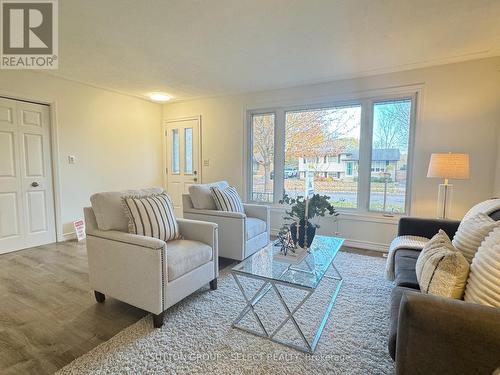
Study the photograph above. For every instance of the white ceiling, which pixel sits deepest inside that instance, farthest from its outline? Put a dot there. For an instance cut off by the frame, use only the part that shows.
(191, 48)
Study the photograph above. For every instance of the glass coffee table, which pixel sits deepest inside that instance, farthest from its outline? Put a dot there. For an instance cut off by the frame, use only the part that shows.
(305, 275)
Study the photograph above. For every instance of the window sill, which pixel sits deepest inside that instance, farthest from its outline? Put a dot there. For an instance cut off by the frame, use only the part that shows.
(348, 214)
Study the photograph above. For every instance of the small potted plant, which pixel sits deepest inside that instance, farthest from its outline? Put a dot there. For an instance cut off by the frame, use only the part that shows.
(317, 205)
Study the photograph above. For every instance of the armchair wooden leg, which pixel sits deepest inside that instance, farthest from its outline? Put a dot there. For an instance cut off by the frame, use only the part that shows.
(213, 284)
(158, 320)
(99, 297)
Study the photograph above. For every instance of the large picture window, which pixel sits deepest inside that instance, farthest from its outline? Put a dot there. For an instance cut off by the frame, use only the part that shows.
(323, 141)
(389, 165)
(358, 153)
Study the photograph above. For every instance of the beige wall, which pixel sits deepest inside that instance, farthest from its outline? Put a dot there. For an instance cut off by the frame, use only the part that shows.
(459, 111)
(116, 138)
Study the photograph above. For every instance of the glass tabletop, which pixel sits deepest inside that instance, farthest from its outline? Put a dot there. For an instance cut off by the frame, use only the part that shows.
(268, 264)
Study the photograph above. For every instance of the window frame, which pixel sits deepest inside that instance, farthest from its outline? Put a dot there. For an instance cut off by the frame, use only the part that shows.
(249, 154)
(411, 143)
(365, 146)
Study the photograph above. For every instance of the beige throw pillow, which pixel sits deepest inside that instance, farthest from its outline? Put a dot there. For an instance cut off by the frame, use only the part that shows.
(444, 273)
(435, 244)
(471, 233)
(483, 286)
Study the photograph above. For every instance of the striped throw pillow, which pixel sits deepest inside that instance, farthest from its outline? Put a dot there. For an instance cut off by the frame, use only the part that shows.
(152, 216)
(227, 199)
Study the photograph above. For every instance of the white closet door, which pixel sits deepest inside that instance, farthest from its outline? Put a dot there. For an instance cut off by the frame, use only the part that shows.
(26, 197)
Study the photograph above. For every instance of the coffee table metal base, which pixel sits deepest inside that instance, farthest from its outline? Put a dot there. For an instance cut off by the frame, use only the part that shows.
(309, 346)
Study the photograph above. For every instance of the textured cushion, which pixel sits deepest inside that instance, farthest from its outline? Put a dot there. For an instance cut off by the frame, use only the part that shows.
(435, 244)
(201, 196)
(227, 199)
(184, 256)
(254, 227)
(108, 208)
(152, 216)
(483, 286)
(444, 273)
(487, 207)
(471, 233)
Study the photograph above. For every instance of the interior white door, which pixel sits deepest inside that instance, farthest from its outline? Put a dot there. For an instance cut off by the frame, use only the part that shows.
(182, 140)
(26, 197)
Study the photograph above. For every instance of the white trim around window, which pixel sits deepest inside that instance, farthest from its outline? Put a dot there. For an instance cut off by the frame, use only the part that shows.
(367, 101)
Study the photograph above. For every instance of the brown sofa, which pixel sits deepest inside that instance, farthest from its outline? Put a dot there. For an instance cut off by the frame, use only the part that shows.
(436, 335)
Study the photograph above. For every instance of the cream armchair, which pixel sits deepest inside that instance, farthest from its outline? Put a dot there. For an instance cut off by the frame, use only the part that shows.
(147, 272)
(240, 235)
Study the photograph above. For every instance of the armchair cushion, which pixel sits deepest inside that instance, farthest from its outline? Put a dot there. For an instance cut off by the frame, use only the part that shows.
(202, 197)
(108, 208)
(254, 227)
(186, 255)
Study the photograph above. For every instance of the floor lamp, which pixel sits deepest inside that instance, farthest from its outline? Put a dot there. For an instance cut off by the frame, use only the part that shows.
(447, 166)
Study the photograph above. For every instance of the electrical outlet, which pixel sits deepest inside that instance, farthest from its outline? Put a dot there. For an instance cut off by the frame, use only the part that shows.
(71, 159)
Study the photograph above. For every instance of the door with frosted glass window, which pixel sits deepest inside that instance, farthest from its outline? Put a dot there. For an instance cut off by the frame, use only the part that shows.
(182, 156)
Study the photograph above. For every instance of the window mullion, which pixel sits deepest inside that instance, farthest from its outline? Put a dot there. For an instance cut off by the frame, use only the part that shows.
(279, 155)
(365, 152)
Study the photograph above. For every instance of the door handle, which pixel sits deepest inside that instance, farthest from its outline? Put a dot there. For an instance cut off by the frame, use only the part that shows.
(34, 184)
(195, 179)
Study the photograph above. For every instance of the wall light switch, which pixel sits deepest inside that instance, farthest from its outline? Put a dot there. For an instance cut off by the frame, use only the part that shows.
(71, 159)
(206, 162)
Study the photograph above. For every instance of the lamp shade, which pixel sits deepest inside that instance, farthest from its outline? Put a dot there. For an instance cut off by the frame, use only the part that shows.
(452, 166)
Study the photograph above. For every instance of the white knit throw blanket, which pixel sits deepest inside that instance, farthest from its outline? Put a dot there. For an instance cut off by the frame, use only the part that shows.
(402, 242)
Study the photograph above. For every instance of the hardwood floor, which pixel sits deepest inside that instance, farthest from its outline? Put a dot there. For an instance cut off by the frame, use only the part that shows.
(48, 315)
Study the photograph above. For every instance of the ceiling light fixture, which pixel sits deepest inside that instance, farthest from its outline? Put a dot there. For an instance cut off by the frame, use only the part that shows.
(159, 97)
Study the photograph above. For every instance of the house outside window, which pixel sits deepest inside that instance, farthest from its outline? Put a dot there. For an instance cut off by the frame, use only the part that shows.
(348, 169)
(360, 161)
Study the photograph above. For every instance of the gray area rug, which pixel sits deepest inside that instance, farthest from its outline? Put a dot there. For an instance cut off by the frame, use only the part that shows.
(197, 337)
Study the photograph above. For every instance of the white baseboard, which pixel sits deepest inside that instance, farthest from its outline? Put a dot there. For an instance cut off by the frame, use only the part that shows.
(367, 245)
(358, 244)
(69, 236)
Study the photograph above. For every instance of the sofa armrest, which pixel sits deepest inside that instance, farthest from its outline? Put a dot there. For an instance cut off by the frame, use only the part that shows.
(235, 215)
(128, 238)
(426, 227)
(444, 336)
(258, 211)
